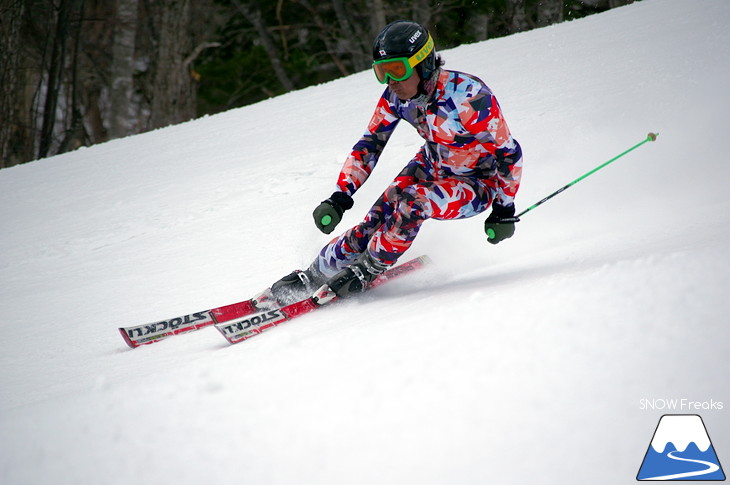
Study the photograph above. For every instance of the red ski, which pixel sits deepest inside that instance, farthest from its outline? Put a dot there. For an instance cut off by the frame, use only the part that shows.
(160, 330)
(237, 330)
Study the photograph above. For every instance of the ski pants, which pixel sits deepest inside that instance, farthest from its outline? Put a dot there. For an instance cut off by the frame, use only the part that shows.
(393, 222)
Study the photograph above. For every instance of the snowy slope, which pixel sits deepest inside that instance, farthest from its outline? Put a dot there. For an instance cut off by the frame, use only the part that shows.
(524, 362)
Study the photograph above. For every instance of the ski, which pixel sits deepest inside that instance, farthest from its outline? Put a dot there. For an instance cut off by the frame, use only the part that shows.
(247, 326)
(149, 333)
(262, 309)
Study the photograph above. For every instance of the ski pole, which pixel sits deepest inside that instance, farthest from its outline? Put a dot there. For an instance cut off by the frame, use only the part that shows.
(650, 137)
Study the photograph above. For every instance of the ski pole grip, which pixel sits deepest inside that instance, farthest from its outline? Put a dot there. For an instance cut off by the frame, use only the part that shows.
(489, 229)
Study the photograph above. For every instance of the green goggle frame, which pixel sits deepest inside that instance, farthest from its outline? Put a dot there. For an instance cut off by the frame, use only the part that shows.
(401, 68)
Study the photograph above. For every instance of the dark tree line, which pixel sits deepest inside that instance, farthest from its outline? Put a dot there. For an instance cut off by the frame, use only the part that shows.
(78, 72)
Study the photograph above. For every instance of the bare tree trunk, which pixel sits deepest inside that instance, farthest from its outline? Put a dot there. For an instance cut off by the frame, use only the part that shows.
(324, 34)
(95, 65)
(356, 40)
(10, 80)
(377, 19)
(75, 134)
(549, 12)
(122, 68)
(422, 12)
(518, 17)
(173, 91)
(478, 26)
(55, 76)
(254, 17)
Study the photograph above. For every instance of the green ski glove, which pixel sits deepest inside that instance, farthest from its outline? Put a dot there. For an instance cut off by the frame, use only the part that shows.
(329, 213)
(500, 224)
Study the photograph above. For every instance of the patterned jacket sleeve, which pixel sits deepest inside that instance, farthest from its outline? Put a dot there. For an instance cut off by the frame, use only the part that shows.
(365, 153)
(482, 116)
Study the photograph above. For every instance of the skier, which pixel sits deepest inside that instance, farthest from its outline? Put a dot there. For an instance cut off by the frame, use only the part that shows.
(468, 162)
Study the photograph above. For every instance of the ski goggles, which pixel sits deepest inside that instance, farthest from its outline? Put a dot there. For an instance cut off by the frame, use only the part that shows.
(401, 68)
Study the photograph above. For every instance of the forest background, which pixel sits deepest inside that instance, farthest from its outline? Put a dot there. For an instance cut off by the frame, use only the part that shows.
(79, 72)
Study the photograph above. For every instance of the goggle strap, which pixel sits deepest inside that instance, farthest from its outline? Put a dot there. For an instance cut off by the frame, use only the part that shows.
(422, 52)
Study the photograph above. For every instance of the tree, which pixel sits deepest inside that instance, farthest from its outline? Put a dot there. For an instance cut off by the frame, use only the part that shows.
(14, 133)
(79, 72)
(122, 69)
(518, 16)
(252, 13)
(549, 12)
(172, 91)
(54, 73)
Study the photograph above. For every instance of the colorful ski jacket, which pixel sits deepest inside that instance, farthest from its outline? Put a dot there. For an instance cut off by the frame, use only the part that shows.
(465, 132)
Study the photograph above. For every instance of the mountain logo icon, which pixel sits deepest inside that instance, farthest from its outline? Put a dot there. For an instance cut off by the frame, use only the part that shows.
(681, 450)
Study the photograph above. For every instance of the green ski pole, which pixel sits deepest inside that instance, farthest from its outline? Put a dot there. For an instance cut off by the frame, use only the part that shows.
(649, 137)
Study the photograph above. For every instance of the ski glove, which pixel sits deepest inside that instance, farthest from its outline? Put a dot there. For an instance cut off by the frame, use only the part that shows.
(500, 224)
(329, 213)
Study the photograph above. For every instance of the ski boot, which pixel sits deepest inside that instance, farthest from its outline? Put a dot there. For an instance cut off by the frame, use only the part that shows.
(356, 277)
(297, 286)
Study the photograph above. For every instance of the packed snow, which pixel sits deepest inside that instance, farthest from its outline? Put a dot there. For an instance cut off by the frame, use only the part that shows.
(528, 362)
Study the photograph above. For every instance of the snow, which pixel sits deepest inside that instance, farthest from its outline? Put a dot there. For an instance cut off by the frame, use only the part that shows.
(524, 362)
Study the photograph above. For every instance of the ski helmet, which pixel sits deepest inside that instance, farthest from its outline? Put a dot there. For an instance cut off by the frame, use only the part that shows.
(407, 42)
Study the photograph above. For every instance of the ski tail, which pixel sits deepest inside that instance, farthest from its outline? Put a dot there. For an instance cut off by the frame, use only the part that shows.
(149, 333)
